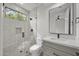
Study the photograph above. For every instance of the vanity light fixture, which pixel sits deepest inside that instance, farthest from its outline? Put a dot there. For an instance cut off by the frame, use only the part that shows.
(58, 18)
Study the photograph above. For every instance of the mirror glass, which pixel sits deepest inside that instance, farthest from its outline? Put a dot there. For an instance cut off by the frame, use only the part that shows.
(60, 19)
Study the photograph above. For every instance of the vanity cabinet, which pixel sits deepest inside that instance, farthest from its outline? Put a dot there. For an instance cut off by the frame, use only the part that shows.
(56, 49)
(49, 51)
(53, 49)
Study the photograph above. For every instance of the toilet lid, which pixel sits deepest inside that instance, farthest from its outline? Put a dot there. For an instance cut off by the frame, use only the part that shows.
(35, 47)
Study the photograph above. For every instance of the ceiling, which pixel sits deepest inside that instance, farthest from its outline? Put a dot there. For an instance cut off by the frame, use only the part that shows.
(30, 6)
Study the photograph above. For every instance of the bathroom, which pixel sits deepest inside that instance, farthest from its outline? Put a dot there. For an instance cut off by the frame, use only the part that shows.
(39, 29)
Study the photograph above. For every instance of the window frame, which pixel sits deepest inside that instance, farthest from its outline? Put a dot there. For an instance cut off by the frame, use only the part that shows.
(14, 11)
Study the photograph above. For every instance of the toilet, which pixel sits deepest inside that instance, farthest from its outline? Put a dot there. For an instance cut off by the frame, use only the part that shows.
(35, 50)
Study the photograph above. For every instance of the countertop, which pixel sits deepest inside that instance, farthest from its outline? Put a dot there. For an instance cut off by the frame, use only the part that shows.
(69, 43)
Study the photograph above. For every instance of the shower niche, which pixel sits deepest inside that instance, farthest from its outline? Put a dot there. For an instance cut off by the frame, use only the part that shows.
(60, 19)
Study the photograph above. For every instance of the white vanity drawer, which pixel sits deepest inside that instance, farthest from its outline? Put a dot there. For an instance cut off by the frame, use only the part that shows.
(59, 53)
(62, 48)
(48, 51)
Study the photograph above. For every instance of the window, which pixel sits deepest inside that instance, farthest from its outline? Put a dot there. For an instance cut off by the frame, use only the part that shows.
(14, 15)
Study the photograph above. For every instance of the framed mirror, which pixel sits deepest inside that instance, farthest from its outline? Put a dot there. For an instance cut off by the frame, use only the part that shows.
(60, 19)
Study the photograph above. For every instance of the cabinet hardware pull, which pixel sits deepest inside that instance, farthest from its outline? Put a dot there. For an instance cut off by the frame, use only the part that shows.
(77, 53)
(21, 51)
(55, 54)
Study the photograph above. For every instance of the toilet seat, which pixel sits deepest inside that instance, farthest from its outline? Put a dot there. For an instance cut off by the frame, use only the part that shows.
(35, 47)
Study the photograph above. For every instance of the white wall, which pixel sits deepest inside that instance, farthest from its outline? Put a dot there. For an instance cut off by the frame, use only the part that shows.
(33, 22)
(77, 10)
(1, 33)
(43, 22)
